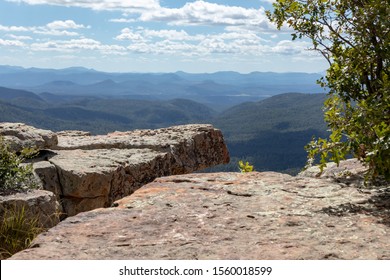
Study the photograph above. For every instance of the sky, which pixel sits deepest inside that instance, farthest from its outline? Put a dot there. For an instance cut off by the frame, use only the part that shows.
(196, 36)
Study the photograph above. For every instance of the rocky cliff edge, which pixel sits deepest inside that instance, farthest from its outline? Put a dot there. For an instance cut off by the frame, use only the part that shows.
(86, 172)
(232, 216)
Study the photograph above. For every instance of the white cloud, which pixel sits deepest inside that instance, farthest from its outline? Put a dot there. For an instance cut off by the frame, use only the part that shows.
(60, 28)
(205, 13)
(235, 33)
(11, 43)
(20, 38)
(97, 4)
(67, 24)
(55, 28)
(198, 12)
(77, 45)
(129, 34)
(55, 32)
(14, 28)
(145, 35)
(122, 20)
(286, 47)
(167, 41)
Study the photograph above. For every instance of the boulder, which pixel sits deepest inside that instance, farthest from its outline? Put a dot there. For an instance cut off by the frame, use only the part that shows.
(19, 136)
(87, 172)
(228, 216)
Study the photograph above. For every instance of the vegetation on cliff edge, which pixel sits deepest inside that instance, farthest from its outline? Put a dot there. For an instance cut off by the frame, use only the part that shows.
(354, 38)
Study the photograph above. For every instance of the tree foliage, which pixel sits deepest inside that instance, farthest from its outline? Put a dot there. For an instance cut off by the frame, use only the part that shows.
(353, 36)
(14, 176)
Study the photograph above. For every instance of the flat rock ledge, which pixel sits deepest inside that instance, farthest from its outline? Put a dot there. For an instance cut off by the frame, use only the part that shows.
(87, 172)
(228, 216)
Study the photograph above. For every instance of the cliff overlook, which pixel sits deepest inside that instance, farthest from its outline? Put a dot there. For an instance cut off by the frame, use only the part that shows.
(255, 215)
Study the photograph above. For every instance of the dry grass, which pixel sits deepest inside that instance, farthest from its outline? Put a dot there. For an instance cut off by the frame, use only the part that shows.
(17, 231)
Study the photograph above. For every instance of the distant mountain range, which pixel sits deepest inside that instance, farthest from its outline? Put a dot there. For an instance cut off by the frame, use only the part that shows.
(261, 123)
(219, 90)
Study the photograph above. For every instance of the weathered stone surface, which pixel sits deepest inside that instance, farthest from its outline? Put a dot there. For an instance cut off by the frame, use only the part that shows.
(19, 136)
(349, 172)
(193, 146)
(228, 216)
(73, 133)
(346, 168)
(92, 179)
(37, 204)
(87, 172)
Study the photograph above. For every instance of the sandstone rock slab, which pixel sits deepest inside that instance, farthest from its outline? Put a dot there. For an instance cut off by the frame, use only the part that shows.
(87, 172)
(228, 216)
(19, 136)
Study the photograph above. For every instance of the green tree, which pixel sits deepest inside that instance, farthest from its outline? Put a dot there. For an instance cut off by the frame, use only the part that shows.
(353, 36)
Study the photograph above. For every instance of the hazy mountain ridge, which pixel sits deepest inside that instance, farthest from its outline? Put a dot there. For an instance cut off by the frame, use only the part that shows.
(98, 115)
(266, 128)
(219, 90)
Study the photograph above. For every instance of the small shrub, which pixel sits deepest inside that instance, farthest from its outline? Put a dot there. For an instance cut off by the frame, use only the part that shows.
(17, 231)
(15, 176)
(245, 168)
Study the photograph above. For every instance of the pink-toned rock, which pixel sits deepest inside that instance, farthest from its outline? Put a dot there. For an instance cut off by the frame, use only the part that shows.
(228, 216)
(87, 172)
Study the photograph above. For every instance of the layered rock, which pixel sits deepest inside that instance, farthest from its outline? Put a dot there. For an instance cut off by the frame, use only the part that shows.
(228, 216)
(87, 172)
(19, 136)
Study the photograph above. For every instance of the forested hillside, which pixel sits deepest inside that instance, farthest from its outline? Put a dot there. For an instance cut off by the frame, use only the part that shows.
(270, 134)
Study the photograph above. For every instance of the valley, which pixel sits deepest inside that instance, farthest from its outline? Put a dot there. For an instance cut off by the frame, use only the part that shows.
(261, 123)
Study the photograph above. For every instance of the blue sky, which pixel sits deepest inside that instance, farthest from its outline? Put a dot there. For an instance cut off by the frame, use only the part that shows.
(150, 36)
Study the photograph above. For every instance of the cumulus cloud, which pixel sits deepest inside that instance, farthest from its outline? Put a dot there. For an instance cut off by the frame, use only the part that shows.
(60, 28)
(11, 43)
(145, 35)
(77, 45)
(198, 12)
(286, 47)
(240, 32)
(180, 42)
(67, 24)
(129, 34)
(122, 20)
(55, 32)
(20, 38)
(55, 28)
(97, 4)
(14, 28)
(205, 13)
